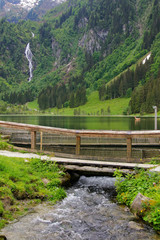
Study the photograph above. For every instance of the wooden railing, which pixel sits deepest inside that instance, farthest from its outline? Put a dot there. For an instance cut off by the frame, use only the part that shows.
(128, 135)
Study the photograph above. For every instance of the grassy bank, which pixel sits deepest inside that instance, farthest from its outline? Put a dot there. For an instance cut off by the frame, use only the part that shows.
(148, 184)
(26, 182)
(93, 107)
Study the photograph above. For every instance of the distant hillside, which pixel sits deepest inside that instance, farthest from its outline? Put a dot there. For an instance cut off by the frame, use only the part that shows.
(78, 47)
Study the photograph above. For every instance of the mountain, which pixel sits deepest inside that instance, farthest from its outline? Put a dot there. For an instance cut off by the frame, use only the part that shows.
(26, 9)
(81, 46)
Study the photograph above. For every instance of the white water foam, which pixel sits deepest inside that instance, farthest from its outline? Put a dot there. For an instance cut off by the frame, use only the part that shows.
(38, 219)
(29, 56)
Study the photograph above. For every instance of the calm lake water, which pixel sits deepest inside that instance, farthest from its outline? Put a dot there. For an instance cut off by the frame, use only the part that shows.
(98, 123)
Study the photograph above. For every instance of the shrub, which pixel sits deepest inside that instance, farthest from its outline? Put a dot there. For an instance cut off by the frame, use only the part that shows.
(1, 209)
(148, 184)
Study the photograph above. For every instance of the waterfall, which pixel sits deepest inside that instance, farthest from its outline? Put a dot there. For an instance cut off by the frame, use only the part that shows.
(29, 58)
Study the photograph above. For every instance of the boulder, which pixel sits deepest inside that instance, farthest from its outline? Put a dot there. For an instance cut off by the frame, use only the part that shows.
(138, 203)
(135, 226)
(65, 180)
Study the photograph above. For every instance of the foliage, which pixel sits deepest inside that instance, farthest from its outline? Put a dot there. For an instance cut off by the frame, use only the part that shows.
(79, 98)
(23, 180)
(53, 97)
(125, 83)
(5, 146)
(81, 44)
(33, 105)
(155, 160)
(12, 48)
(146, 95)
(154, 25)
(93, 107)
(119, 60)
(148, 184)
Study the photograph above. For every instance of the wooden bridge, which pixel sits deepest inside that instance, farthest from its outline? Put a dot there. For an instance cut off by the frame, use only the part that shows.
(78, 134)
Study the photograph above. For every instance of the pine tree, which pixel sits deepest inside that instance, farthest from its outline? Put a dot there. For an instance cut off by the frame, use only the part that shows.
(102, 92)
(72, 101)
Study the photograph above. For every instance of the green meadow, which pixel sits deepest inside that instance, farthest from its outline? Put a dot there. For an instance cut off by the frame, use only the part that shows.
(93, 107)
(26, 182)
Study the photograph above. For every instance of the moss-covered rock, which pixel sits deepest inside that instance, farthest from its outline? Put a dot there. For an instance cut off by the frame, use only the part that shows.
(1, 208)
(65, 180)
(138, 203)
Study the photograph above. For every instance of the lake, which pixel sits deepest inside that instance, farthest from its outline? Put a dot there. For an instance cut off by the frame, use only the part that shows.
(85, 122)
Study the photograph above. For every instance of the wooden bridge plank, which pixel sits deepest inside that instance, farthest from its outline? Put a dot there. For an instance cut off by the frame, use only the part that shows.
(101, 163)
(95, 170)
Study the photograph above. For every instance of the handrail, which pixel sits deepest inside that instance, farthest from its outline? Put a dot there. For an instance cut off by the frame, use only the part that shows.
(80, 133)
(96, 133)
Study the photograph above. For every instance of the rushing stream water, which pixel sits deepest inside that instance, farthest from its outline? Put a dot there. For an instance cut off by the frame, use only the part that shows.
(86, 213)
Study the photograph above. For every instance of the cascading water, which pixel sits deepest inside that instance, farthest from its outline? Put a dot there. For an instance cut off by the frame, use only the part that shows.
(29, 56)
(87, 213)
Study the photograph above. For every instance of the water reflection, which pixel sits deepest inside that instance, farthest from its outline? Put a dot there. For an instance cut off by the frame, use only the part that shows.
(99, 123)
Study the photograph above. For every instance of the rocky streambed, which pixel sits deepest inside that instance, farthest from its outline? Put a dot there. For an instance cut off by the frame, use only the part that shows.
(87, 213)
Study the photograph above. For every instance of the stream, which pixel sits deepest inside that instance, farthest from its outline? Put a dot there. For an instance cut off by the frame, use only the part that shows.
(87, 213)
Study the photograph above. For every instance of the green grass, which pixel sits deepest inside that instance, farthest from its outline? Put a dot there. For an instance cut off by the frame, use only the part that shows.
(93, 107)
(148, 184)
(22, 185)
(33, 105)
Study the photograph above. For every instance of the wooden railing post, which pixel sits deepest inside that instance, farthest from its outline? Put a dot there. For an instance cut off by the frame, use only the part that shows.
(78, 144)
(33, 139)
(129, 148)
(41, 140)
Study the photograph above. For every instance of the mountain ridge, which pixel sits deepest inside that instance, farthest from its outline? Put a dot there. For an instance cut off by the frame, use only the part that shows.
(77, 45)
(26, 9)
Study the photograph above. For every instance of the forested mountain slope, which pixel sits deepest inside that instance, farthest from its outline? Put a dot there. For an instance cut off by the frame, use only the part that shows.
(78, 47)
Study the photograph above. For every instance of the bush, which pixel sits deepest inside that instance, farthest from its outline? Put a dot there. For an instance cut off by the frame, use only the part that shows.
(1, 209)
(148, 184)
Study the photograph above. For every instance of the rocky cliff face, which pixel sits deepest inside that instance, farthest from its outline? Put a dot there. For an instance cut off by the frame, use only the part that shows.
(92, 40)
